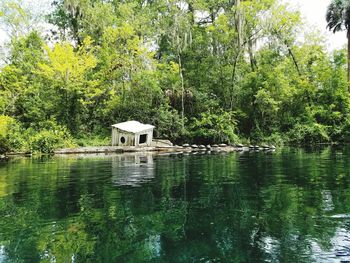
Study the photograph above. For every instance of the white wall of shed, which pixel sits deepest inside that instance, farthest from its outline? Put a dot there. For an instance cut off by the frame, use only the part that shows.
(149, 134)
(131, 139)
(117, 135)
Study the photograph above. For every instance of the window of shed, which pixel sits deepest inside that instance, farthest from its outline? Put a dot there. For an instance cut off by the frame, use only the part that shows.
(122, 140)
(143, 138)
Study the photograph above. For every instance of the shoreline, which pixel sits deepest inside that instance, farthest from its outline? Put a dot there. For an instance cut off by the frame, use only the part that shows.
(155, 149)
(160, 149)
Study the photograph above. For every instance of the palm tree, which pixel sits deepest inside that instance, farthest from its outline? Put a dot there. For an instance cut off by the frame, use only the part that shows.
(338, 18)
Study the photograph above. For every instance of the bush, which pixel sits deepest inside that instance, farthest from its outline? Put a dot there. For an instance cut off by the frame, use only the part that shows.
(274, 139)
(47, 140)
(11, 135)
(168, 124)
(93, 140)
(308, 133)
(5, 123)
(342, 132)
(214, 128)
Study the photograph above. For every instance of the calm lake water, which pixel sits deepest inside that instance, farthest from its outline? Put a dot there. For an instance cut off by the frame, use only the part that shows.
(287, 206)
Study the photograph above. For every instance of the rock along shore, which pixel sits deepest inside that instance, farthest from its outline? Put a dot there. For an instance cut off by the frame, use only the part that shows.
(185, 148)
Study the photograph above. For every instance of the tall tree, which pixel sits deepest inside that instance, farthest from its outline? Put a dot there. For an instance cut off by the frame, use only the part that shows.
(338, 18)
(15, 19)
(180, 37)
(66, 71)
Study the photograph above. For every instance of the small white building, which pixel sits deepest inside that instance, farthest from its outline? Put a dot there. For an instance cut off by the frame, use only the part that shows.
(132, 133)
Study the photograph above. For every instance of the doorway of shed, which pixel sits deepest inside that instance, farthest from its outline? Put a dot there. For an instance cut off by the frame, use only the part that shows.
(143, 138)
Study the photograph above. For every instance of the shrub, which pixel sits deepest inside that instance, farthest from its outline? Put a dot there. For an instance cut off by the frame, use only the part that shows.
(274, 139)
(5, 123)
(168, 123)
(47, 140)
(214, 128)
(11, 135)
(93, 140)
(308, 133)
(342, 132)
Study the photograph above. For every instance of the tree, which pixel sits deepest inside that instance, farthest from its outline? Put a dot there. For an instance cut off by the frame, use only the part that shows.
(18, 17)
(338, 18)
(18, 78)
(67, 72)
(174, 63)
(15, 19)
(180, 37)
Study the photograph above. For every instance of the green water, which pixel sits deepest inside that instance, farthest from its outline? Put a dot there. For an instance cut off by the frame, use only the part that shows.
(287, 206)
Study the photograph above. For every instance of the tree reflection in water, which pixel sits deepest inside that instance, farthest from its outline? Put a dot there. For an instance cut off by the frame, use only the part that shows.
(286, 206)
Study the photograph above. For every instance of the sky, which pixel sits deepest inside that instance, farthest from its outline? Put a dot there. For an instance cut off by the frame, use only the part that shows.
(313, 11)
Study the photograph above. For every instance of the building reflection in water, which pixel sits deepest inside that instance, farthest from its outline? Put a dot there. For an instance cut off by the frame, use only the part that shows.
(132, 169)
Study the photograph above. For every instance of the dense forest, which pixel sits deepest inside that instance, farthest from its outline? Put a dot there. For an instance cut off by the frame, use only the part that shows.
(201, 71)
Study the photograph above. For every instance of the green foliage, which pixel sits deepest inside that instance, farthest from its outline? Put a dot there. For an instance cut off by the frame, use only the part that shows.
(51, 137)
(47, 141)
(5, 129)
(43, 137)
(168, 123)
(66, 72)
(93, 140)
(342, 132)
(158, 63)
(214, 128)
(12, 137)
(16, 16)
(275, 139)
(309, 133)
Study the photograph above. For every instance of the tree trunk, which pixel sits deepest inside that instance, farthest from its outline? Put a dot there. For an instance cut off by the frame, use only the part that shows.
(233, 78)
(182, 92)
(348, 36)
(293, 58)
(191, 11)
(239, 22)
(253, 63)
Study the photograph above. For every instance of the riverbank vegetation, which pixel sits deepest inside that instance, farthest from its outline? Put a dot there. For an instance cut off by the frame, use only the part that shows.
(200, 71)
